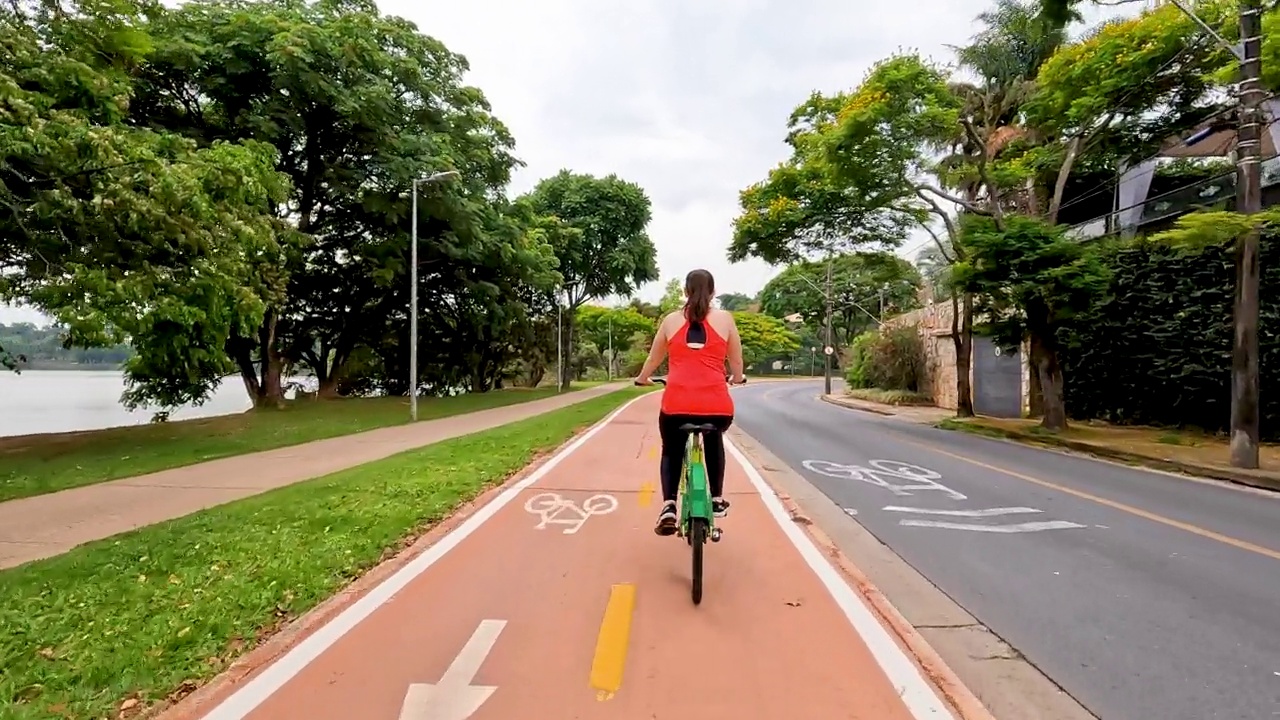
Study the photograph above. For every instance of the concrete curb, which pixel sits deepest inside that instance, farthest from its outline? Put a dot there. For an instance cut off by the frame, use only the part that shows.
(1251, 478)
(865, 408)
(954, 691)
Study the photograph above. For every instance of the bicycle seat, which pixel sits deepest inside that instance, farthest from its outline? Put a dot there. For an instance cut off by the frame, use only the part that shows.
(703, 428)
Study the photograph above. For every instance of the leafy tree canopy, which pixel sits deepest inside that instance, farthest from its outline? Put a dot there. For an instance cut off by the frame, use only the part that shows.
(598, 324)
(735, 301)
(607, 252)
(764, 337)
(119, 232)
(860, 283)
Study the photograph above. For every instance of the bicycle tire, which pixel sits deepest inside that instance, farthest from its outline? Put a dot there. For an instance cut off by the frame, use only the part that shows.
(698, 541)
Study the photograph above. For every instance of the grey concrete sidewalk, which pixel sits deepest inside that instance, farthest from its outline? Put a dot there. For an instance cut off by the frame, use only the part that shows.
(47, 525)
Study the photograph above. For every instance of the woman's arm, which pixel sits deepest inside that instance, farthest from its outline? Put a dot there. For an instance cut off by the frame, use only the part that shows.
(736, 367)
(657, 352)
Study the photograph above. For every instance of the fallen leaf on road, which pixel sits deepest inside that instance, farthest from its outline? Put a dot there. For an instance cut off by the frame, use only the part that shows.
(793, 603)
(129, 708)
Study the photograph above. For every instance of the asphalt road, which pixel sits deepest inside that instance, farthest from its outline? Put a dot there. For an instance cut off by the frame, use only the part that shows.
(1141, 594)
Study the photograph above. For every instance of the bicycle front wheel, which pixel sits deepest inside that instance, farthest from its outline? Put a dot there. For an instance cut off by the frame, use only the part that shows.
(698, 542)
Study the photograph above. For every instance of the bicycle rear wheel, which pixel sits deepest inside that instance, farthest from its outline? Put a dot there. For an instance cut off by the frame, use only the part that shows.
(698, 541)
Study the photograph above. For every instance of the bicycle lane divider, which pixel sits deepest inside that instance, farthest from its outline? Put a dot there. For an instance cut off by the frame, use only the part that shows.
(559, 590)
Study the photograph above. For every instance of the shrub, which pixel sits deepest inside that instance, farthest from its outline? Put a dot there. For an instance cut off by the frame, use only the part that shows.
(856, 375)
(890, 359)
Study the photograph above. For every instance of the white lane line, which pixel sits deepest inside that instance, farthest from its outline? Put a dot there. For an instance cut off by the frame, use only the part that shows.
(1016, 528)
(989, 512)
(916, 692)
(255, 692)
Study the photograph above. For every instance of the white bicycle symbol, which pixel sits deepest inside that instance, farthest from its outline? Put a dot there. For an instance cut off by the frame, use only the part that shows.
(883, 473)
(552, 508)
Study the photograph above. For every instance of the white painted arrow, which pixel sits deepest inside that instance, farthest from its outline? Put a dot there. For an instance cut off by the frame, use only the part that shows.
(454, 697)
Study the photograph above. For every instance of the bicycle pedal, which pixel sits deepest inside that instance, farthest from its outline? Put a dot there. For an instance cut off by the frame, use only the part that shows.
(715, 535)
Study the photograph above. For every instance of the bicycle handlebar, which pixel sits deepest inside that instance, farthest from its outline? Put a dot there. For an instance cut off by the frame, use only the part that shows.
(663, 381)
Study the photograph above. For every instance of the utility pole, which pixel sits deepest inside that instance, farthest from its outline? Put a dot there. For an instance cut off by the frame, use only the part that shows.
(559, 346)
(610, 374)
(1244, 355)
(413, 290)
(1244, 358)
(828, 350)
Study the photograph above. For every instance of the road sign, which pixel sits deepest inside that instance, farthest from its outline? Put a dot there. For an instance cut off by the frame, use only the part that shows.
(454, 697)
(828, 350)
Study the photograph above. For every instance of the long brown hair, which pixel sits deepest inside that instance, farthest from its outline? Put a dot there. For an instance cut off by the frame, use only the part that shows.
(700, 287)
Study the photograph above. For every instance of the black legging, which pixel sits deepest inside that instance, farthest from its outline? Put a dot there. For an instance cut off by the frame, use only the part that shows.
(673, 443)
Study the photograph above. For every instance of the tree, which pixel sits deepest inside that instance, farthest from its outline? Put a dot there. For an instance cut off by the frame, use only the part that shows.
(647, 309)
(764, 337)
(606, 251)
(735, 301)
(120, 232)
(865, 287)
(934, 265)
(612, 327)
(884, 136)
(803, 208)
(1113, 97)
(357, 105)
(672, 297)
(1028, 279)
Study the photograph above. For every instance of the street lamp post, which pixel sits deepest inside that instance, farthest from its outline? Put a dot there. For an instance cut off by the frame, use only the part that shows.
(559, 346)
(413, 291)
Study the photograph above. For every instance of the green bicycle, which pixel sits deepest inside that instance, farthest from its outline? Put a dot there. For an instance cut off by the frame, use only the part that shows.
(697, 521)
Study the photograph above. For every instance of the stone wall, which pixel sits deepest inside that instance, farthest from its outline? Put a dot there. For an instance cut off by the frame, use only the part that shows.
(934, 324)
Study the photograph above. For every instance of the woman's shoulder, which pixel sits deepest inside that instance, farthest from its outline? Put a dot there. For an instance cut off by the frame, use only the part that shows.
(723, 316)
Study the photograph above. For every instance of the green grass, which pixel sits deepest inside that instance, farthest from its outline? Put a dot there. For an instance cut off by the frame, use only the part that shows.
(891, 397)
(39, 464)
(158, 611)
(969, 427)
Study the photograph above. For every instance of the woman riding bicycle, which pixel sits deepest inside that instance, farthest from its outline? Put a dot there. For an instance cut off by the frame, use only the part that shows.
(697, 340)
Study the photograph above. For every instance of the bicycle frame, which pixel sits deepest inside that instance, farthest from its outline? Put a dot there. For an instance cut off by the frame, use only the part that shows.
(695, 493)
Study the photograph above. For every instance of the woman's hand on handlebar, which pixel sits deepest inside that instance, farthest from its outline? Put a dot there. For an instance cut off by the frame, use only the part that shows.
(643, 381)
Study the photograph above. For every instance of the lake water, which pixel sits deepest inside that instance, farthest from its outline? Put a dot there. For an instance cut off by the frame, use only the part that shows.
(49, 401)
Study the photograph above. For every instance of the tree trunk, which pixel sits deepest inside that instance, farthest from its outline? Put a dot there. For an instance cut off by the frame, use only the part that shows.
(566, 348)
(1045, 355)
(327, 388)
(270, 365)
(962, 336)
(1035, 388)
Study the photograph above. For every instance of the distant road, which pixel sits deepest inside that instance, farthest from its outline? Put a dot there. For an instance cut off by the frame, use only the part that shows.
(1141, 594)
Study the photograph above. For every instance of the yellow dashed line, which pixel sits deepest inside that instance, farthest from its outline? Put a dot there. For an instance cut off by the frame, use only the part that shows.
(611, 644)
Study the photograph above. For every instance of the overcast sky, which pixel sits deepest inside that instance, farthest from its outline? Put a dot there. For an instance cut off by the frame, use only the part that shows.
(688, 98)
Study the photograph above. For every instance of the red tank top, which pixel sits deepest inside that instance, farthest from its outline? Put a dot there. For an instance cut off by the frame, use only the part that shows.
(695, 375)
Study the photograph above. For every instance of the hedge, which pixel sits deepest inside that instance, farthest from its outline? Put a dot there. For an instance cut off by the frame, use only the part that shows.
(1157, 351)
